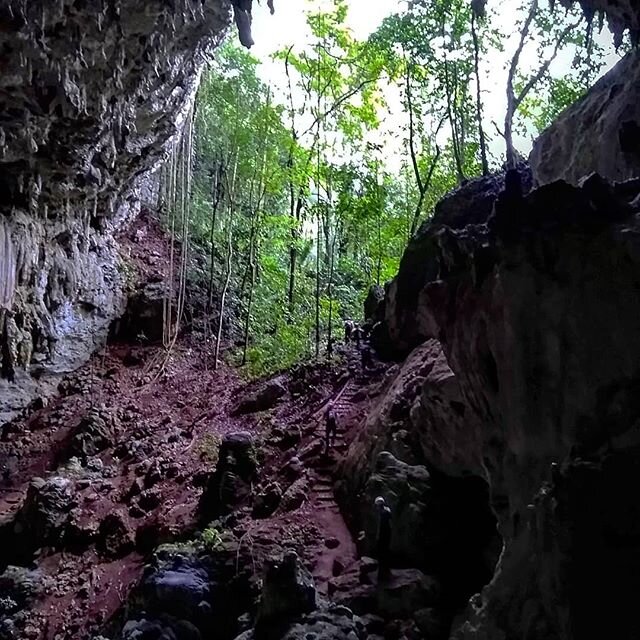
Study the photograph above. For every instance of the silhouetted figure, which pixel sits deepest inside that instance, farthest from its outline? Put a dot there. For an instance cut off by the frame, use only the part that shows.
(383, 538)
(348, 330)
(356, 334)
(366, 358)
(330, 428)
(331, 345)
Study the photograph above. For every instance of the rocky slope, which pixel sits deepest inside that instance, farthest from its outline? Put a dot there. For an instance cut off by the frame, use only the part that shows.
(90, 96)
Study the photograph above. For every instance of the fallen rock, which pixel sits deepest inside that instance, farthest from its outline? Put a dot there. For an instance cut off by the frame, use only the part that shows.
(43, 518)
(335, 623)
(295, 496)
(115, 537)
(264, 398)
(21, 586)
(267, 501)
(292, 469)
(431, 623)
(95, 433)
(163, 628)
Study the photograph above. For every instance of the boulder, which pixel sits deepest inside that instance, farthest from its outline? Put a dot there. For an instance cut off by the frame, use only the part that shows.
(267, 501)
(350, 590)
(45, 513)
(163, 628)
(266, 397)
(21, 586)
(179, 585)
(115, 537)
(406, 591)
(431, 623)
(600, 133)
(407, 491)
(295, 496)
(288, 590)
(335, 623)
(230, 484)
(95, 433)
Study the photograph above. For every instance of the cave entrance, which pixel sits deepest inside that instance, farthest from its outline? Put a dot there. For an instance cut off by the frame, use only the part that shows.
(468, 544)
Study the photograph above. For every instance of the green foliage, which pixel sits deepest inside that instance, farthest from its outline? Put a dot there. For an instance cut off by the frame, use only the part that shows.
(294, 191)
(211, 539)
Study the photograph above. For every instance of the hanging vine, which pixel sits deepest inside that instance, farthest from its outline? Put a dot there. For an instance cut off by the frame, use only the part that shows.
(175, 196)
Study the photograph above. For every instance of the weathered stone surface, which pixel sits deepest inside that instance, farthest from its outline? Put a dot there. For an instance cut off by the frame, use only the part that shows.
(599, 133)
(164, 628)
(295, 496)
(267, 501)
(406, 489)
(143, 318)
(622, 15)
(472, 203)
(93, 97)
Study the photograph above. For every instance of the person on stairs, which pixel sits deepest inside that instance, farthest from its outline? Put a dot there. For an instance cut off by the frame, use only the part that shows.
(366, 358)
(348, 329)
(383, 538)
(356, 334)
(330, 428)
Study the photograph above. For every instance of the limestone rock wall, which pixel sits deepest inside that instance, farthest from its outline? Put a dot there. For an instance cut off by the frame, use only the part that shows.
(534, 390)
(90, 95)
(600, 133)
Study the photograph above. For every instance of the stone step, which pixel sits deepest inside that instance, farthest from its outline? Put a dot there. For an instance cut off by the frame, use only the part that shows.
(333, 507)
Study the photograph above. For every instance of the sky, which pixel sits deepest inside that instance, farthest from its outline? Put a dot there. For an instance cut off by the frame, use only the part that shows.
(288, 27)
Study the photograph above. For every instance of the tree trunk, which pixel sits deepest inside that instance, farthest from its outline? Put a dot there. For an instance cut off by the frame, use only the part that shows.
(481, 136)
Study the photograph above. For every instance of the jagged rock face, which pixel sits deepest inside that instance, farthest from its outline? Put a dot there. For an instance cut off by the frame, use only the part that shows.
(600, 133)
(621, 14)
(442, 524)
(537, 312)
(90, 95)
